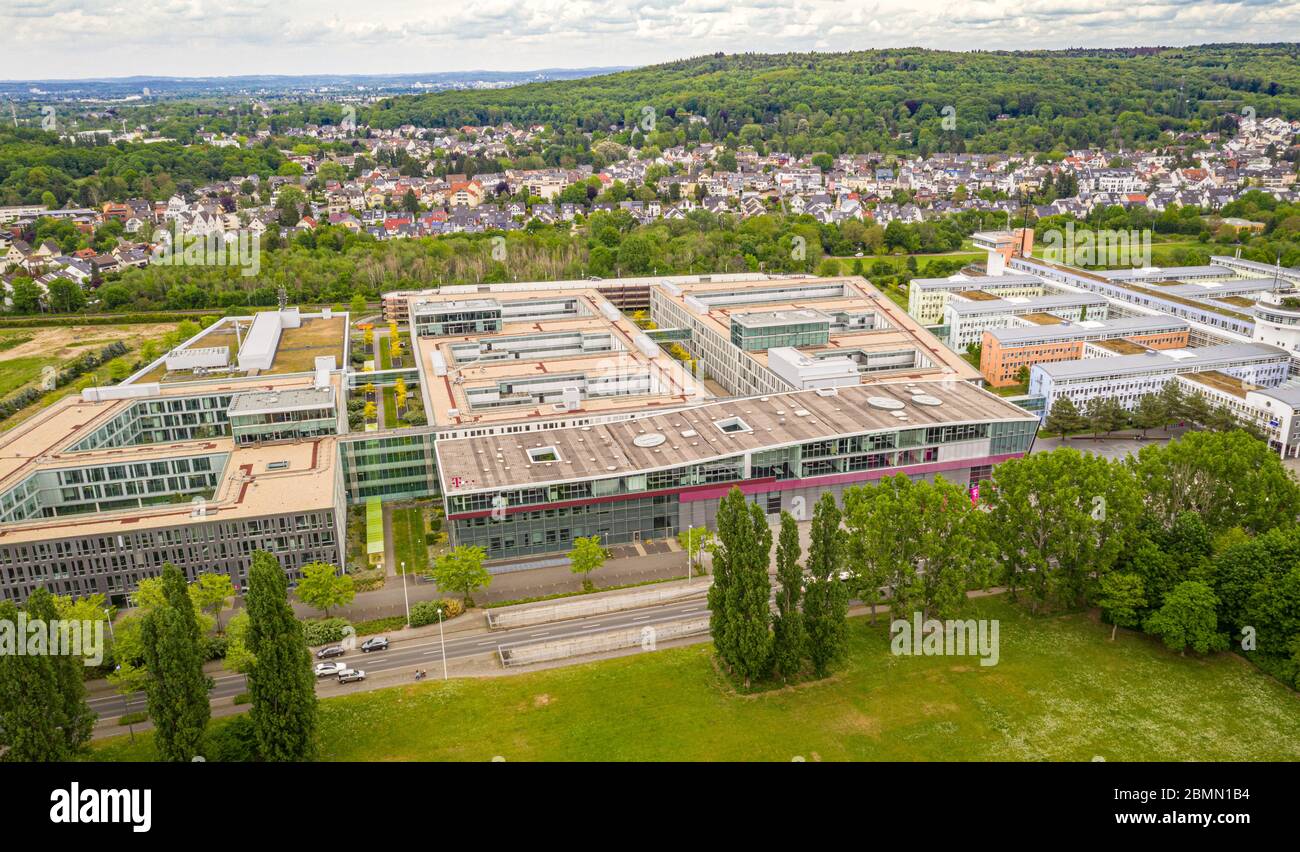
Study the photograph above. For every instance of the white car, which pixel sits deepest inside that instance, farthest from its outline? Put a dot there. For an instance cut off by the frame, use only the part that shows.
(329, 669)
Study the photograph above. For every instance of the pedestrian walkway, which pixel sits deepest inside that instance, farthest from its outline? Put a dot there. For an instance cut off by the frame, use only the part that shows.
(533, 578)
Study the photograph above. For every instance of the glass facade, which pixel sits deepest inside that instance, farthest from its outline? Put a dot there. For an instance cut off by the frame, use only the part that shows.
(441, 321)
(543, 526)
(157, 421)
(283, 425)
(762, 337)
(393, 467)
(551, 530)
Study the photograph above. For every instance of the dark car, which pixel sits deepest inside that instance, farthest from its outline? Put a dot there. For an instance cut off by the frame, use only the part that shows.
(375, 643)
(330, 651)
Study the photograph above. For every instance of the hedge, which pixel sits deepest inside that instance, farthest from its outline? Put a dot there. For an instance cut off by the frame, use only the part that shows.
(323, 631)
(426, 612)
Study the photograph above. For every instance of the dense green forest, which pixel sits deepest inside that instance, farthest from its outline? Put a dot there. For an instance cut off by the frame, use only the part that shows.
(331, 264)
(35, 168)
(884, 100)
(871, 100)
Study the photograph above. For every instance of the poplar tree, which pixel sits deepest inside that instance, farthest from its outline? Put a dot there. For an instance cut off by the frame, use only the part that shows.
(176, 687)
(740, 597)
(30, 705)
(788, 637)
(826, 600)
(280, 682)
(72, 714)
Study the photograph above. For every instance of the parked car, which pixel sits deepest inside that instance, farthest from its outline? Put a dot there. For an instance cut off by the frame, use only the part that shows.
(328, 669)
(330, 651)
(350, 675)
(375, 643)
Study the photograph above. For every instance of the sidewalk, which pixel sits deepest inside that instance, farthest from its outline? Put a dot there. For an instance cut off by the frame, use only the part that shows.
(551, 579)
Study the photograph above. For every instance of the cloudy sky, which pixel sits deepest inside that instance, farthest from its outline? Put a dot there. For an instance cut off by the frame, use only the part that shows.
(114, 38)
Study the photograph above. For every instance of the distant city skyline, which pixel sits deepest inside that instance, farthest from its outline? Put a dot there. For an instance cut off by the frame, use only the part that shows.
(68, 39)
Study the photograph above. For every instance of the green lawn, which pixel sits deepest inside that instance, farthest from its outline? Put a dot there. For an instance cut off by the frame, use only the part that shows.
(390, 406)
(1062, 691)
(385, 354)
(408, 539)
(16, 372)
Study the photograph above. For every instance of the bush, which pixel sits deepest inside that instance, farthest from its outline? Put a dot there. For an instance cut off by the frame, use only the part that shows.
(232, 742)
(244, 698)
(426, 612)
(133, 718)
(379, 625)
(214, 647)
(323, 631)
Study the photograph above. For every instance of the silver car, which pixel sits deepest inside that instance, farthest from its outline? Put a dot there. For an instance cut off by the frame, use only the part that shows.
(329, 669)
(350, 675)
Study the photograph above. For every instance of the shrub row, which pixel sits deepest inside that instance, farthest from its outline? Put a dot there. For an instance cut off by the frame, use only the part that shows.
(426, 612)
(323, 631)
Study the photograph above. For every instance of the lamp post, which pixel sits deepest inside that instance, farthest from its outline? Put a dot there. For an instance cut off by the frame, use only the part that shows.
(406, 599)
(442, 643)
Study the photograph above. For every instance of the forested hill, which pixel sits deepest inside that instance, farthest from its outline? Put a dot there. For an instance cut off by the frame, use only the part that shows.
(872, 100)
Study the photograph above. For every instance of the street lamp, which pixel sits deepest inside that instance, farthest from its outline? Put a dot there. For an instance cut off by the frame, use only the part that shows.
(443, 644)
(406, 597)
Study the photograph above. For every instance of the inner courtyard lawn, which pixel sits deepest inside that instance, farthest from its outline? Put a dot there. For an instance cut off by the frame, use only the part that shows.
(408, 539)
(1061, 691)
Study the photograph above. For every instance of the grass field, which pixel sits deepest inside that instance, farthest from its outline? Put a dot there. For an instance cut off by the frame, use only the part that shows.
(1061, 691)
(23, 354)
(390, 406)
(299, 347)
(16, 372)
(408, 540)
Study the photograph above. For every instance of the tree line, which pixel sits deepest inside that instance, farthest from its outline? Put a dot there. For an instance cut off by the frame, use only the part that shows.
(1195, 542)
(43, 711)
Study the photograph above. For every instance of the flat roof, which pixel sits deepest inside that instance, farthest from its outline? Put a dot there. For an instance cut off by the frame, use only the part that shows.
(296, 399)
(1121, 346)
(762, 319)
(1221, 381)
(691, 435)
(1028, 334)
(449, 394)
(1148, 273)
(41, 441)
(248, 488)
(896, 328)
(1286, 394)
(975, 282)
(444, 306)
(1208, 358)
(1026, 304)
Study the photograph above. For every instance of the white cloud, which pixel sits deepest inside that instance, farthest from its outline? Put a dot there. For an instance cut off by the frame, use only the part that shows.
(83, 38)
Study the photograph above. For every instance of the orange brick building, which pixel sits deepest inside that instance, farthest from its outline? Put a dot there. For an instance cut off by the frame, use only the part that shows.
(1005, 351)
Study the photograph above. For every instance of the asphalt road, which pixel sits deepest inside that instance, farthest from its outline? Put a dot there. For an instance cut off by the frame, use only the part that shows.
(426, 652)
